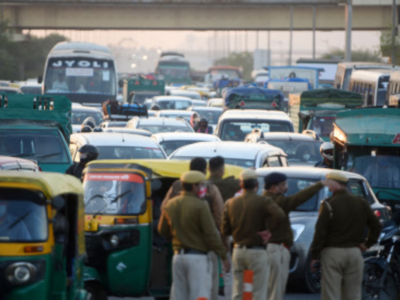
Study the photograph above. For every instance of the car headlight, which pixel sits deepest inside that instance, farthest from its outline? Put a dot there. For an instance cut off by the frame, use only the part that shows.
(114, 240)
(297, 230)
(20, 273)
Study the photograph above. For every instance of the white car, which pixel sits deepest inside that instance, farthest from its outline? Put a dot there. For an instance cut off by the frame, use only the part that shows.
(127, 131)
(173, 114)
(198, 103)
(156, 125)
(169, 102)
(235, 124)
(117, 146)
(189, 94)
(241, 154)
(80, 113)
(170, 141)
(215, 102)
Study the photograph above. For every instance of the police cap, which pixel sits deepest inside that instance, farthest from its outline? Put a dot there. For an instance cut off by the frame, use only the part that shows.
(248, 174)
(274, 178)
(338, 176)
(193, 177)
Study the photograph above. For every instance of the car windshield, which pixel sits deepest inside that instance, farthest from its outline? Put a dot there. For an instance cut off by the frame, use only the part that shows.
(164, 128)
(44, 146)
(171, 146)
(129, 152)
(299, 152)
(79, 116)
(80, 76)
(114, 194)
(212, 116)
(186, 117)
(237, 130)
(381, 171)
(174, 104)
(322, 125)
(23, 216)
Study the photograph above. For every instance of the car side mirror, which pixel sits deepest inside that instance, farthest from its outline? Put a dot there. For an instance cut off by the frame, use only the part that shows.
(58, 202)
(40, 79)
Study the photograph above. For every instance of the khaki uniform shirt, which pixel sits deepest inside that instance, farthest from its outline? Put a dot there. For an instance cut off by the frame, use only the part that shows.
(248, 214)
(187, 220)
(344, 226)
(228, 187)
(283, 232)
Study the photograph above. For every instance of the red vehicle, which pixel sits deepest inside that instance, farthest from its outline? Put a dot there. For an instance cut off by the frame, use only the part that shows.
(8, 163)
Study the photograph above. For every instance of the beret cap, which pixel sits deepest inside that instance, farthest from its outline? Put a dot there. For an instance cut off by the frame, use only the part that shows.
(274, 178)
(193, 177)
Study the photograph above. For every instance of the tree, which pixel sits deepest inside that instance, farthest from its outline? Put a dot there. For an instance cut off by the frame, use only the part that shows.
(387, 44)
(356, 55)
(242, 60)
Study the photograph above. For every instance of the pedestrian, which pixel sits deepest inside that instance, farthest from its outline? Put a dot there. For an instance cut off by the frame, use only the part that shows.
(193, 235)
(212, 196)
(339, 241)
(228, 186)
(276, 186)
(244, 218)
(87, 154)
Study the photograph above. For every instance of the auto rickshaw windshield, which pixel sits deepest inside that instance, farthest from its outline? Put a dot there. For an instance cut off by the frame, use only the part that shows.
(22, 216)
(114, 194)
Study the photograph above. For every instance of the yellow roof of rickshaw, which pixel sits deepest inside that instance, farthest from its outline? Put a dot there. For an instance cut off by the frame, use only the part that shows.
(166, 168)
(51, 184)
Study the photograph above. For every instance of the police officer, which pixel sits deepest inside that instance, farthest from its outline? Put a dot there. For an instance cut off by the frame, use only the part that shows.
(211, 194)
(193, 234)
(244, 218)
(275, 185)
(229, 186)
(339, 240)
(326, 151)
(87, 154)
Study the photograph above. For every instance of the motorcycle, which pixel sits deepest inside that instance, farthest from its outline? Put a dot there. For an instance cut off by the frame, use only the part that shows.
(381, 278)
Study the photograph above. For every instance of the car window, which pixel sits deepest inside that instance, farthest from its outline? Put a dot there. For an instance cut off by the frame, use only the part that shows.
(272, 161)
(211, 116)
(79, 116)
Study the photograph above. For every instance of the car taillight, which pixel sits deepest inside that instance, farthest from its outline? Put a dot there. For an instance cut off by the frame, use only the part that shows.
(377, 213)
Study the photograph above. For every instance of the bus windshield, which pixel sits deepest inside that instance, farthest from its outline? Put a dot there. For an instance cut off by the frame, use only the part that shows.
(73, 75)
(174, 70)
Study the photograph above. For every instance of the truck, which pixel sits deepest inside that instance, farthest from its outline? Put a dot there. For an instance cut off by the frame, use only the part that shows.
(367, 141)
(36, 127)
(316, 109)
(142, 88)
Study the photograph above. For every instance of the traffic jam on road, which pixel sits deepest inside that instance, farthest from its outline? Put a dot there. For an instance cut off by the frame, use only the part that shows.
(158, 185)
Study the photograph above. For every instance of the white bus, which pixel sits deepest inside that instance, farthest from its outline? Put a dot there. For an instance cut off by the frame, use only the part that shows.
(394, 85)
(371, 84)
(344, 70)
(83, 72)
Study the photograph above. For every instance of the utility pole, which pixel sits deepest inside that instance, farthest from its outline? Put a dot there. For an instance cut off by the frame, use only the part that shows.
(269, 49)
(348, 27)
(394, 31)
(313, 31)
(291, 36)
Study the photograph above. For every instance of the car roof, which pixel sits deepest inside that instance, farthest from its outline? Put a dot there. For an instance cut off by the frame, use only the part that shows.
(169, 98)
(127, 130)
(254, 114)
(115, 139)
(85, 109)
(185, 136)
(183, 92)
(205, 108)
(161, 121)
(306, 172)
(174, 111)
(287, 136)
(226, 149)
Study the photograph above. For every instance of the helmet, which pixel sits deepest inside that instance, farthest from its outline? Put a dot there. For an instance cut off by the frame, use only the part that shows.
(97, 129)
(203, 120)
(89, 121)
(86, 128)
(91, 151)
(326, 150)
(155, 107)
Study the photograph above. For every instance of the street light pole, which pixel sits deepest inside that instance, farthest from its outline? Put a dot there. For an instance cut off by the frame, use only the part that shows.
(394, 32)
(291, 36)
(348, 27)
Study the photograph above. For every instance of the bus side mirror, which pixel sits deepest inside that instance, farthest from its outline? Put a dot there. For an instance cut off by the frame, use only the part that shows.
(40, 79)
(121, 83)
(58, 202)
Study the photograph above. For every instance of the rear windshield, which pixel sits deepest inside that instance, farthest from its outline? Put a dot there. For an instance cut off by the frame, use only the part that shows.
(244, 163)
(299, 151)
(211, 115)
(44, 146)
(118, 152)
(164, 128)
(79, 116)
(171, 146)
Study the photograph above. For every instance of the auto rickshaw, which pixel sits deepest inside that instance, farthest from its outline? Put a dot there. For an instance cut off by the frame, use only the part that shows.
(42, 243)
(126, 256)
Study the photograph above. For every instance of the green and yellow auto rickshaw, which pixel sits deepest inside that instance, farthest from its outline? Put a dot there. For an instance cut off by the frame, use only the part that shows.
(126, 256)
(42, 243)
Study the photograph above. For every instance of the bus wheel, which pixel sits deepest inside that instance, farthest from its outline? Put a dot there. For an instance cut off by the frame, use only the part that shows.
(96, 290)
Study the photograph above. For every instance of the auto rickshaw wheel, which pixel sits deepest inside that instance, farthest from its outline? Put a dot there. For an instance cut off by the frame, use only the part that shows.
(96, 290)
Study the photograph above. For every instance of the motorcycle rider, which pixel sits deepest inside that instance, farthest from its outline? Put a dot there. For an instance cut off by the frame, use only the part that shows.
(203, 127)
(326, 150)
(87, 154)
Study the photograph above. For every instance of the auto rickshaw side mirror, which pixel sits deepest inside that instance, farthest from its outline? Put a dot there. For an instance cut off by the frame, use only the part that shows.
(58, 202)
(156, 185)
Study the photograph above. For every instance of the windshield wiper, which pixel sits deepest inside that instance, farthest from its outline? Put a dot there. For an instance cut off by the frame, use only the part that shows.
(48, 155)
(95, 196)
(112, 201)
(19, 219)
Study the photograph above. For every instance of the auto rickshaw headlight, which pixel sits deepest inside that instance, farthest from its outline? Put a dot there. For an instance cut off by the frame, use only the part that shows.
(114, 240)
(20, 273)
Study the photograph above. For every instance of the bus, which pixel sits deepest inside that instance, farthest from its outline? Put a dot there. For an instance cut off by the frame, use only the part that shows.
(344, 70)
(174, 68)
(394, 85)
(371, 84)
(83, 72)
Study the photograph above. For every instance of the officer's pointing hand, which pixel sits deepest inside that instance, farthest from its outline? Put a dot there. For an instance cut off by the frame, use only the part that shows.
(332, 184)
(265, 235)
(227, 265)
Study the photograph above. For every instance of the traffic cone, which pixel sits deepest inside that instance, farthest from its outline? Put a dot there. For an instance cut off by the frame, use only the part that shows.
(248, 285)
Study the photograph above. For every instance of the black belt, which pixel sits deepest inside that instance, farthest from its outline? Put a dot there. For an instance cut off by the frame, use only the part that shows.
(249, 247)
(189, 251)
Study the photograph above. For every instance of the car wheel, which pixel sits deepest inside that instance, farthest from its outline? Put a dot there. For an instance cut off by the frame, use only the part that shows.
(95, 290)
(312, 279)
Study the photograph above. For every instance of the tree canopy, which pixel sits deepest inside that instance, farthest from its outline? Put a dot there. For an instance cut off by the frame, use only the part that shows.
(356, 55)
(242, 60)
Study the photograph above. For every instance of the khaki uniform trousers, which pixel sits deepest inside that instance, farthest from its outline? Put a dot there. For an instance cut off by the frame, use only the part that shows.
(215, 276)
(255, 260)
(227, 281)
(191, 274)
(342, 272)
(278, 262)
